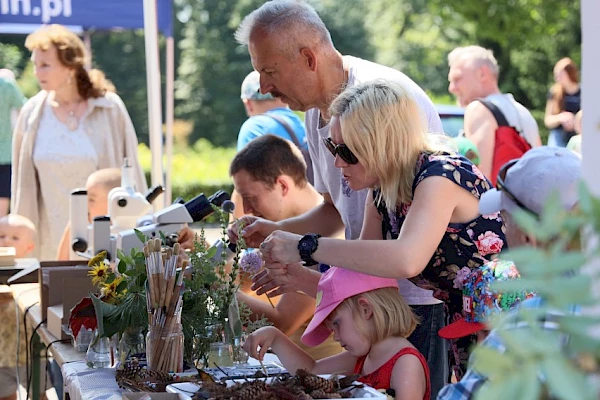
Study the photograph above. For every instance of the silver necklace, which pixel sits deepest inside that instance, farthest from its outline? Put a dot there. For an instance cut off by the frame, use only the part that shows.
(72, 120)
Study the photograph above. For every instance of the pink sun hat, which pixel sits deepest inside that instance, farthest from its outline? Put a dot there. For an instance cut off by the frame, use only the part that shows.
(335, 286)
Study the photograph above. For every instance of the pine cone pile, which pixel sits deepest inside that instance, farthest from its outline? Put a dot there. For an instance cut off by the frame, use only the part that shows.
(303, 386)
(133, 376)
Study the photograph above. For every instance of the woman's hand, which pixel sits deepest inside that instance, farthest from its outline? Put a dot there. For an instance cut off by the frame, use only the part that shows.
(567, 120)
(254, 230)
(259, 341)
(277, 279)
(281, 247)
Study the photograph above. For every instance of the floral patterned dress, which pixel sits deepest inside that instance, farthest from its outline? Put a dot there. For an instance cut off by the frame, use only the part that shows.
(469, 245)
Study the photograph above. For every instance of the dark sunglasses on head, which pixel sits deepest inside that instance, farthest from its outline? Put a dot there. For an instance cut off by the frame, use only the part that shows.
(502, 187)
(340, 149)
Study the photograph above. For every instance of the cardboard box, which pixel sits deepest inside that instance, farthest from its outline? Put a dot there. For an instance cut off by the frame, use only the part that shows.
(54, 321)
(153, 396)
(63, 283)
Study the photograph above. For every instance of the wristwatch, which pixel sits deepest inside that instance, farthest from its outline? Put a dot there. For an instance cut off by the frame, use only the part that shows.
(307, 246)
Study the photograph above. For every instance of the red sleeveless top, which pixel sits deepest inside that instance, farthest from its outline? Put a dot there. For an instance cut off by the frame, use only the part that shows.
(380, 378)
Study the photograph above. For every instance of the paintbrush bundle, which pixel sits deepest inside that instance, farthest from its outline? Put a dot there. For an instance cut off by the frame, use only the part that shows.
(164, 296)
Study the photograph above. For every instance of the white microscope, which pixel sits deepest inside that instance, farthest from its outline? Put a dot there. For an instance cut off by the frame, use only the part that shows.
(128, 212)
(125, 206)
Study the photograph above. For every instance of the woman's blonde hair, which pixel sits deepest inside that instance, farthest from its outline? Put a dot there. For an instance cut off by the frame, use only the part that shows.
(391, 315)
(385, 128)
(72, 54)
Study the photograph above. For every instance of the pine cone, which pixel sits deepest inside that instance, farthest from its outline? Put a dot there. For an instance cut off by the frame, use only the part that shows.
(311, 382)
(128, 370)
(251, 391)
(320, 394)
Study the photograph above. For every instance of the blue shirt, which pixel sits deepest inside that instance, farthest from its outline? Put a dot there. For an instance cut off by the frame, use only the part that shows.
(259, 125)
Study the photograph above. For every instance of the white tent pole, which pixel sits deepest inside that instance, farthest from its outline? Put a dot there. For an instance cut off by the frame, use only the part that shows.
(87, 41)
(590, 64)
(590, 29)
(154, 96)
(170, 95)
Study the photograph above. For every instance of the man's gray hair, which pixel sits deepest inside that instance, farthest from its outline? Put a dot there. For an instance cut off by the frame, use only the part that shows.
(296, 18)
(474, 55)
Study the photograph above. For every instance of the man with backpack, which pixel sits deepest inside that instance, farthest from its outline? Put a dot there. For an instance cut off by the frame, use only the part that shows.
(501, 128)
(268, 114)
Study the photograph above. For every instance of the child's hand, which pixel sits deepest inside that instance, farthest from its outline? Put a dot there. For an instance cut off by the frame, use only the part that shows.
(259, 341)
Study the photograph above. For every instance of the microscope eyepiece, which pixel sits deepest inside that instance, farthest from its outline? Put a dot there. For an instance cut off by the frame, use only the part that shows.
(200, 207)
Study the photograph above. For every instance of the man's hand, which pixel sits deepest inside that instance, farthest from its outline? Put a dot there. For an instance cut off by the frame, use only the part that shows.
(281, 247)
(254, 230)
(186, 238)
(277, 279)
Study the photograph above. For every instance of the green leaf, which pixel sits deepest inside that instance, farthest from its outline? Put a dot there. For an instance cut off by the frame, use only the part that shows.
(564, 381)
(163, 238)
(120, 254)
(103, 311)
(526, 221)
(121, 286)
(585, 203)
(509, 388)
(491, 362)
(141, 237)
(122, 266)
(532, 387)
(210, 253)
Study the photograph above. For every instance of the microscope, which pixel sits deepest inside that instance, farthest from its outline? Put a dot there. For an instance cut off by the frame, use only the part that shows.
(128, 212)
(125, 206)
(170, 220)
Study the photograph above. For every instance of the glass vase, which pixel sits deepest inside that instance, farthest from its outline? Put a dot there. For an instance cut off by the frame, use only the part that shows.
(220, 355)
(164, 348)
(132, 343)
(240, 356)
(99, 353)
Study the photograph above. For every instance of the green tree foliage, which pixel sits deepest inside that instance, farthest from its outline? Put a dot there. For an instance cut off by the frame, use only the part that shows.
(10, 56)
(414, 36)
(211, 69)
(121, 56)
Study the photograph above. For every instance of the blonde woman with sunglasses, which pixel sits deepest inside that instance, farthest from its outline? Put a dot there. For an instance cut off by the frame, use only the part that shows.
(421, 194)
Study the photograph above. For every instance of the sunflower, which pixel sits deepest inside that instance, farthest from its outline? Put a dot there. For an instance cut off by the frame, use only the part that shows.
(109, 290)
(99, 273)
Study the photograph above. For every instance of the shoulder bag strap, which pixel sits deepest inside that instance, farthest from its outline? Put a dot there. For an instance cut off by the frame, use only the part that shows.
(500, 119)
(287, 127)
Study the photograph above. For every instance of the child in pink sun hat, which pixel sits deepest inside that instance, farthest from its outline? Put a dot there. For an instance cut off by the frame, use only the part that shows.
(371, 321)
(481, 301)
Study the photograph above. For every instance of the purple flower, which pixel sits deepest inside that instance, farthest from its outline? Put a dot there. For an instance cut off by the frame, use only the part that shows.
(251, 262)
(461, 277)
(228, 206)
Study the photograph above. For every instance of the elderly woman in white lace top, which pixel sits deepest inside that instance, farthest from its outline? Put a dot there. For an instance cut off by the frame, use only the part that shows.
(74, 126)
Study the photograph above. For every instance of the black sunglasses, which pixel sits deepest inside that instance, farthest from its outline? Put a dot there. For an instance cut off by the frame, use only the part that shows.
(502, 187)
(344, 152)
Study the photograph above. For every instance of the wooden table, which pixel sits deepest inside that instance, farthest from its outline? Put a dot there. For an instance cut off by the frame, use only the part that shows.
(27, 297)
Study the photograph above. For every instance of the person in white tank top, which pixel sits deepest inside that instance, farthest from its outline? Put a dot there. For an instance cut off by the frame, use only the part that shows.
(474, 75)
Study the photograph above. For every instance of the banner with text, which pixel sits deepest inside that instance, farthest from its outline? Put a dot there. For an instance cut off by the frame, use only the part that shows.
(98, 14)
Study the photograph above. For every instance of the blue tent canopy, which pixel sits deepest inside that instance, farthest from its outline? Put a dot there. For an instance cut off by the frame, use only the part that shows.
(25, 16)
(89, 14)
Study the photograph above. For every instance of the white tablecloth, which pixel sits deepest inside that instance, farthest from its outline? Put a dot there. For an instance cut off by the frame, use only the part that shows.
(83, 383)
